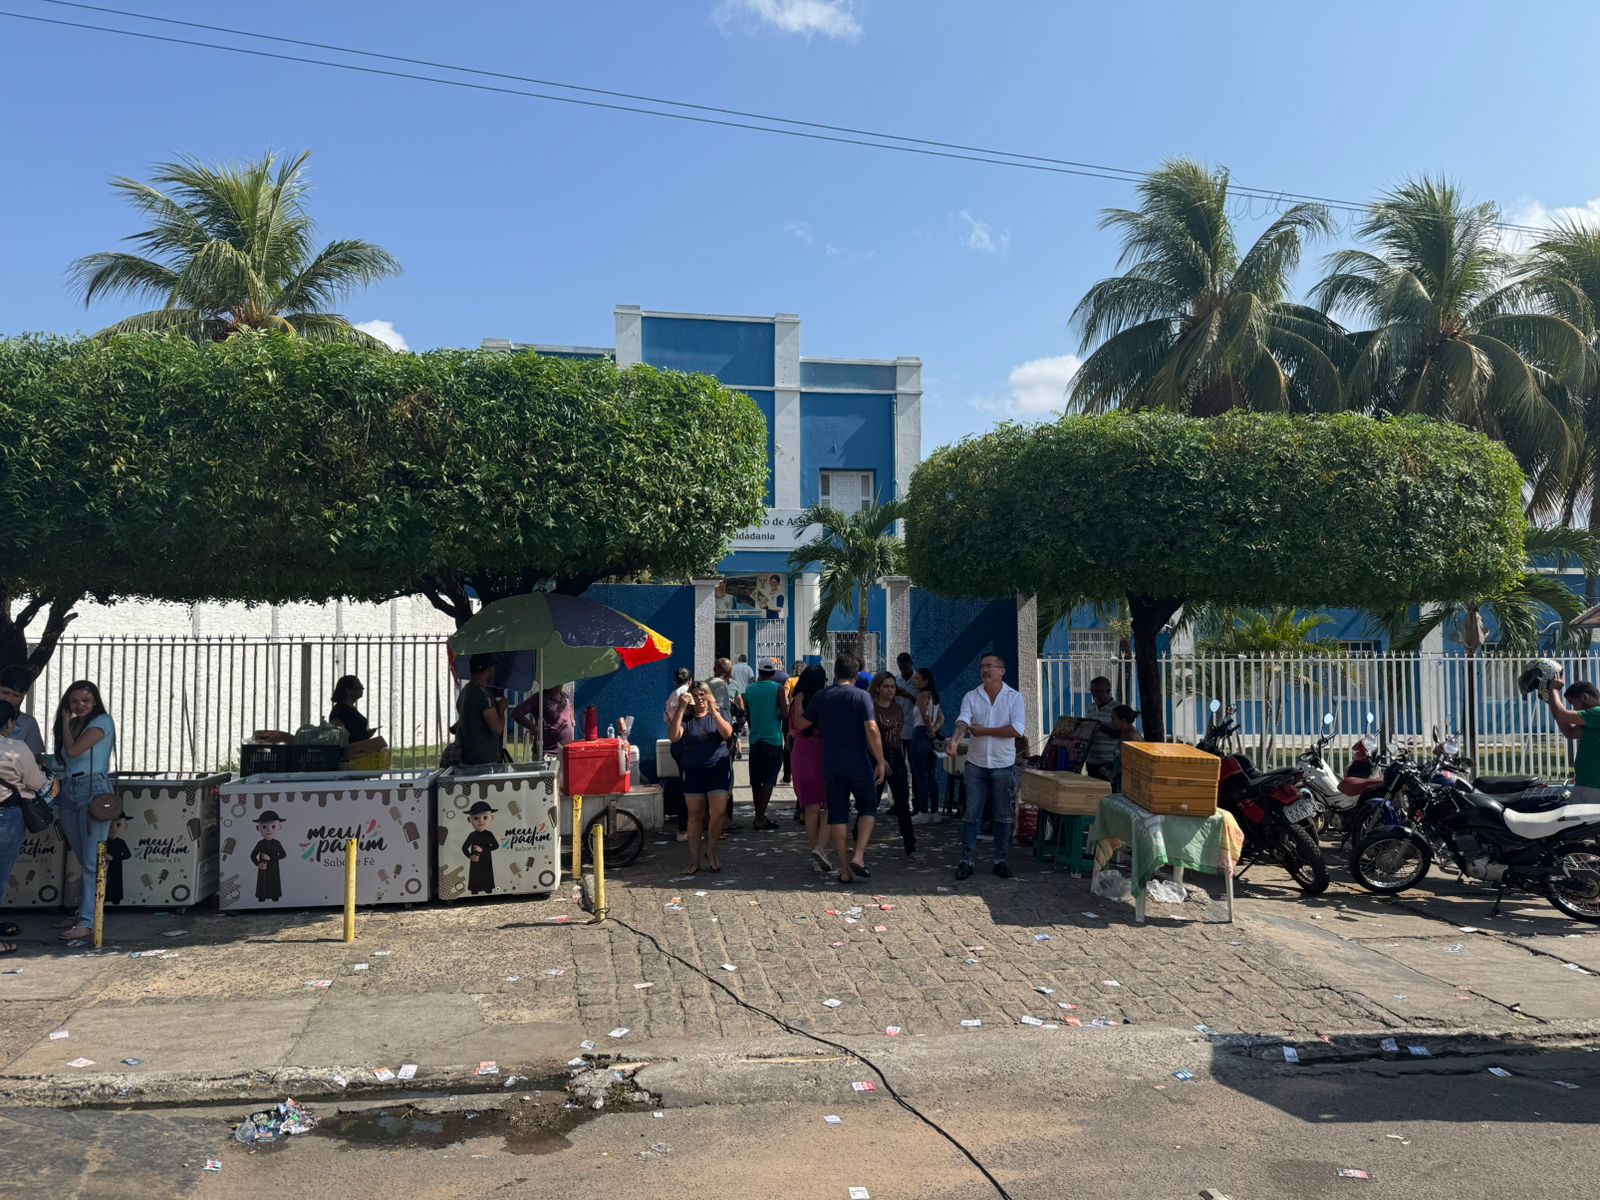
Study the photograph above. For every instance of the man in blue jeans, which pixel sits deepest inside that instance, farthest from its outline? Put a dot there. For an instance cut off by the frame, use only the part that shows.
(852, 761)
(992, 718)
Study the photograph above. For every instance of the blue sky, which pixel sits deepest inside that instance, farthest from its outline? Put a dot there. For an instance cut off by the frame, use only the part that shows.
(530, 220)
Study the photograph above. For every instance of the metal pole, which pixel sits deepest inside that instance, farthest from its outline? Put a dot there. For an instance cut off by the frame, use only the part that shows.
(305, 683)
(99, 894)
(599, 872)
(577, 838)
(350, 890)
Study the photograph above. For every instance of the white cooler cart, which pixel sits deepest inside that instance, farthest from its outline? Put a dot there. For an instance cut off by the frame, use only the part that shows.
(163, 854)
(496, 831)
(284, 838)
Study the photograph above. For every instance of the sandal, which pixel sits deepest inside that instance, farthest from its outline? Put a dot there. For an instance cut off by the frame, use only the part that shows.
(861, 870)
(838, 877)
(76, 932)
(821, 861)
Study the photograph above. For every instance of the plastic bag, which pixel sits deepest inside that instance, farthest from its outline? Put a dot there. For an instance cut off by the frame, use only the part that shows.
(1111, 885)
(1165, 891)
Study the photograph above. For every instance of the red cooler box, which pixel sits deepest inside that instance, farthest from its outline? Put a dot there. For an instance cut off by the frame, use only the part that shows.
(597, 768)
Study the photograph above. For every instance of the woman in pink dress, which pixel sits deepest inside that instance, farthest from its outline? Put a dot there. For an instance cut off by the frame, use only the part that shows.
(805, 761)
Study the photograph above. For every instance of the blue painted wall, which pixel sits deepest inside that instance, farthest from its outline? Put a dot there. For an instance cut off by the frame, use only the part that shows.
(870, 377)
(849, 433)
(736, 352)
(950, 636)
(642, 692)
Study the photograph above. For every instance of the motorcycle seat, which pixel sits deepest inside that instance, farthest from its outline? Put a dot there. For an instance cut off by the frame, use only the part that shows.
(1486, 803)
(1505, 785)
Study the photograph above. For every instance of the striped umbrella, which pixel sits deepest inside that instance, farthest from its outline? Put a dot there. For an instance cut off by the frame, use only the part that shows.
(555, 639)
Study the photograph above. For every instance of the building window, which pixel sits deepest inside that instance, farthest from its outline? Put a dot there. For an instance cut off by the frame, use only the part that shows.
(1360, 646)
(847, 491)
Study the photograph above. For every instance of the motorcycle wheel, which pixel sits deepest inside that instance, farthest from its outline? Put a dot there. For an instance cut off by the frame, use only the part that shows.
(1390, 860)
(1576, 891)
(1302, 858)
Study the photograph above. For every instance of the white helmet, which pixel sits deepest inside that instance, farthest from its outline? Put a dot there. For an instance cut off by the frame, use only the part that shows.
(1536, 677)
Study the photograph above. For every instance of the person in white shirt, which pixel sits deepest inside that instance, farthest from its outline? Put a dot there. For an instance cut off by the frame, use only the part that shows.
(992, 718)
(20, 779)
(743, 673)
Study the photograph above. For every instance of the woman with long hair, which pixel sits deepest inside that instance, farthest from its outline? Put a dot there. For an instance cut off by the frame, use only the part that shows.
(891, 728)
(926, 724)
(362, 737)
(85, 738)
(805, 761)
(703, 734)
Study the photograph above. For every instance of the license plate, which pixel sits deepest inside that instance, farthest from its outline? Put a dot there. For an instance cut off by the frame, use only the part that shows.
(1300, 810)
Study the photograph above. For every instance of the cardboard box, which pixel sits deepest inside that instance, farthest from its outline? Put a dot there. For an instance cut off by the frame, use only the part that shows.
(1063, 792)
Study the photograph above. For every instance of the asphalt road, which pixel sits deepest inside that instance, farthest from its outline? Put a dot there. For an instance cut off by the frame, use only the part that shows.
(1107, 1121)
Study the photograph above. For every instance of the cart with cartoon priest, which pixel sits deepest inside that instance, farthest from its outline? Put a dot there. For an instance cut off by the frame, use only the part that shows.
(267, 854)
(479, 848)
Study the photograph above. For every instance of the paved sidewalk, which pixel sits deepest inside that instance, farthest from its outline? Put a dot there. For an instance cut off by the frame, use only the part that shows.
(228, 1007)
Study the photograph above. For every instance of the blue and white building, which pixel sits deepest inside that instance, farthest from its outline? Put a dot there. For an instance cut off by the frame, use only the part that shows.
(840, 431)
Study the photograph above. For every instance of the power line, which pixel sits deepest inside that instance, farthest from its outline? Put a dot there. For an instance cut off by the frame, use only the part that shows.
(839, 134)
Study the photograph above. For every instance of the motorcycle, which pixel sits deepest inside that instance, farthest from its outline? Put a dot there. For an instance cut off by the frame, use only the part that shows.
(1545, 841)
(1278, 822)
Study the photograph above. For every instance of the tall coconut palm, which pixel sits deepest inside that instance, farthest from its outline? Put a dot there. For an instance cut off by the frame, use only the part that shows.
(1193, 326)
(1565, 267)
(231, 248)
(855, 551)
(1454, 333)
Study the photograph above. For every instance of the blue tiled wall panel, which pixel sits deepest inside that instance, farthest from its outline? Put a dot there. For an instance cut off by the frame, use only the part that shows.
(840, 622)
(642, 692)
(846, 433)
(736, 352)
(950, 636)
(764, 401)
(873, 377)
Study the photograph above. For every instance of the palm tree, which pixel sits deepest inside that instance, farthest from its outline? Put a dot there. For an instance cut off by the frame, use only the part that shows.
(855, 550)
(1191, 326)
(230, 248)
(1565, 267)
(1522, 609)
(1455, 333)
(1275, 646)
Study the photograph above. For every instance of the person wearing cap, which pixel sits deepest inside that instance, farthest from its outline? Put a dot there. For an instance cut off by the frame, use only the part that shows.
(768, 711)
(480, 847)
(480, 714)
(266, 855)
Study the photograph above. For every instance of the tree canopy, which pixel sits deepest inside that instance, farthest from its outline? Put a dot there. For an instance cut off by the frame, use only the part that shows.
(1252, 510)
(232, 247)
(268, 468)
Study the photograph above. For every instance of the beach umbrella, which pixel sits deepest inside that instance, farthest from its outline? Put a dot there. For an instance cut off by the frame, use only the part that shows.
(555, 639)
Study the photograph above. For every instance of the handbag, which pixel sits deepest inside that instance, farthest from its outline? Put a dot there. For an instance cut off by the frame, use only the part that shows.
(105, 807)
(36, 814)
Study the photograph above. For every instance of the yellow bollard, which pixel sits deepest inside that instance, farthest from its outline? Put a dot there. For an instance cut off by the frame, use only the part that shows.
(599, 849)
(350, 890)
(100, 895)
(577, 838)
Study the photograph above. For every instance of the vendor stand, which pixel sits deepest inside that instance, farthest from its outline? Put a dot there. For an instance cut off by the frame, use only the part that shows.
(1212, 843)
(496, 831)
(38, 879)
(163, 853)
(284, 838)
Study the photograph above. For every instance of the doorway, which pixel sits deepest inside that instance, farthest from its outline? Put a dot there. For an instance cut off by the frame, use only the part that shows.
(733, 639)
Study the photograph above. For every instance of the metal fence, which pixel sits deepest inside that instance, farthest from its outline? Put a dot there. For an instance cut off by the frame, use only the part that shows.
(1282, 700)
(186, 703)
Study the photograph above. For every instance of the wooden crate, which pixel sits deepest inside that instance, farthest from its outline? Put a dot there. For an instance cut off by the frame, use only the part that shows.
(1170, 779)
(1063, 792)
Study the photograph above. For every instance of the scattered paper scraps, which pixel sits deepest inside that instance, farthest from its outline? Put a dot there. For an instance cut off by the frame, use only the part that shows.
(59, 1035)
(1065, 1005)
(488, 1067)
(586, 1045)
(1500, 1071)
(1562, 1083)
(1183, 1076)
(880, 929)
(860, 1193)
(81, 1063)
(639, 987)
(360, 966)
(1074, 1022)
(383, 1074)
(1291, 1055)
(1419, 1051)
(1041, 937)
(833, 1120)
(212, 1164)
(1353, 1173)
(864, 1085)
(621, 1031)
(1045, 991)
(893, 1031)
(407, 1071)
(830, 1002)
(729, 967)
(971, 1023)
(1389, 1046)
(132, 1062)
(513, 978)
(1112, 983)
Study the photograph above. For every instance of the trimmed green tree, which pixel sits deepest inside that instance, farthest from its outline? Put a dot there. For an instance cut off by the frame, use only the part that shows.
(1250, 510)
(855, 551)
(270, 469)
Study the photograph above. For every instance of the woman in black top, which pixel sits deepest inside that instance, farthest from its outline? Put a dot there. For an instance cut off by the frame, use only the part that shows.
(700, 733)
(362, 737)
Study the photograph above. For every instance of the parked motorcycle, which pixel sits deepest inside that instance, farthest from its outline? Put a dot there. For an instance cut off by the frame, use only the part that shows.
(1545, 841)
(1278, 822)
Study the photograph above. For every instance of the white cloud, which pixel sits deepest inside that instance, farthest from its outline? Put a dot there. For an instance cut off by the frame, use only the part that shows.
(830, 18)
(385, 332)
(1038, 388)
(800, 230)
(1534, 213)
(981, 236)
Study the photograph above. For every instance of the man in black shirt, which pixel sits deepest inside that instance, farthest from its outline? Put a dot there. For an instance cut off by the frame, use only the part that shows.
(480, 715)
(853, 764)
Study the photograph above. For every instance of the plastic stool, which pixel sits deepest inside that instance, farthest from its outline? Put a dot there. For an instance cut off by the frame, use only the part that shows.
(1064, 842)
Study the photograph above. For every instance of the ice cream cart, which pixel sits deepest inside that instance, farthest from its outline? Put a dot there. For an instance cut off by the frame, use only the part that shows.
(495, 830)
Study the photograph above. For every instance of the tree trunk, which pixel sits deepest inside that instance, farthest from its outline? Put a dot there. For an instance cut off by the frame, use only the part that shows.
(863, 592)
(58, 615)
(1149, 615)
(1591, 582)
